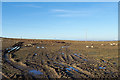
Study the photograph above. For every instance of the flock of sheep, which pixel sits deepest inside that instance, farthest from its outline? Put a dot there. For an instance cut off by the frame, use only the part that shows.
(112, 44)
(90, 46)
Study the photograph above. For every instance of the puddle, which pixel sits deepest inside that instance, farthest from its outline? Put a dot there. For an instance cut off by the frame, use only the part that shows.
(17, 48)
(64, 46)
(85, 59)
(42, 47)
(80, 57)
(103, 60)
(61, 64)
(35, 54)
(35, 72)
(77, 55)
(13, 48)
(101, 67)
(62, 53)
(68, 69)
(74, 69)
(38, 47)
(8, 51)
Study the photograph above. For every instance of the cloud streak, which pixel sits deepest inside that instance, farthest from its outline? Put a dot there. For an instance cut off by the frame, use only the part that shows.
(58, 10)
(70, 13)
(28, 5)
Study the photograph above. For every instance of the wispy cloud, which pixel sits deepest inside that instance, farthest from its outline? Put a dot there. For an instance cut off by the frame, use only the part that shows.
(58, 10)
(28, 5)
(69, 13)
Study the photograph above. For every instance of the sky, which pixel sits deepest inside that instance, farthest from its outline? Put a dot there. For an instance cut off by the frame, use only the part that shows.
(60, 0)
(60, 20)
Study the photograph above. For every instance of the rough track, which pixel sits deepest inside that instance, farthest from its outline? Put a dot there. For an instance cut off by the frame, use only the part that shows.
(59, 65)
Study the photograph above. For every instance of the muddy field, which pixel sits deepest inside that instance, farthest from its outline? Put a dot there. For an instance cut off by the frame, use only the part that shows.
(51, 59)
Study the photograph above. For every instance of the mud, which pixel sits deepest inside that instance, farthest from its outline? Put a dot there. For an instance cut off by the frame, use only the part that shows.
(57, 59)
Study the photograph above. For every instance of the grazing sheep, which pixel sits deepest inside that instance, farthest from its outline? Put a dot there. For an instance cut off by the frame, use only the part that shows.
(112, 44)
(92, 46)
(87, 46)
(102, 44)
(28, 45)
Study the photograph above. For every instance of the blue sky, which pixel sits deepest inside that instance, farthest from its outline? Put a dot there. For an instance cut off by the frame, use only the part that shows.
(60, 20)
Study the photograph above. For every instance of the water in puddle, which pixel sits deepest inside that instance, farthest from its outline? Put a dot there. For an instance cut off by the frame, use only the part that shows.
(85, 59)
(38, 47)
(13, 48)
(101, 67)
(8, 51)
(104, 61)
(68, 69)
(35, 72)
(42, 47)
(17, 48)
(61, 64)
(64, 46)
(35, 54)
(74, 69)
(62, 53)
(77, 55)
(80, 57)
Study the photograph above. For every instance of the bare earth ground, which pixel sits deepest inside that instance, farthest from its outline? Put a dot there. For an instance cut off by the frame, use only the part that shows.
(36, 59)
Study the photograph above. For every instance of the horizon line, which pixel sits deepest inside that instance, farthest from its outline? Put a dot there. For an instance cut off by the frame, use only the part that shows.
(59, 39)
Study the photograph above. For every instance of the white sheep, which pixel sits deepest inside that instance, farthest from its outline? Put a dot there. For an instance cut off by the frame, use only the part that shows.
(87, 46)
(112, 44)
(92, 46)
